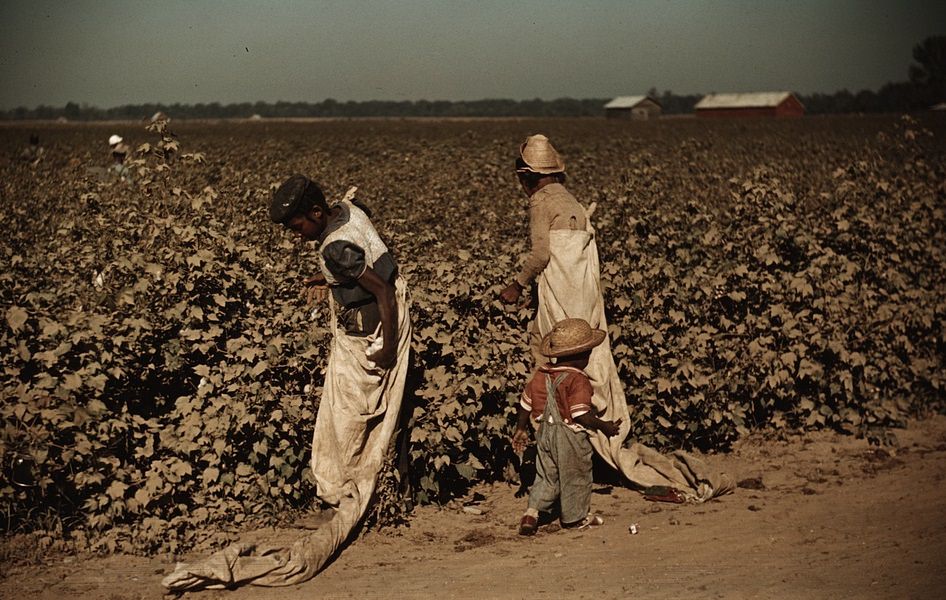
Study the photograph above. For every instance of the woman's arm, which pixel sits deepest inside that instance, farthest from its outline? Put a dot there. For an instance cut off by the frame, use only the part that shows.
(590, 422)
(540, 223)
(538, 256)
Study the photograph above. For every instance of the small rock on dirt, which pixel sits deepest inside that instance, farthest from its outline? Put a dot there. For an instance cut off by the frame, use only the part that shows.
(751, 483)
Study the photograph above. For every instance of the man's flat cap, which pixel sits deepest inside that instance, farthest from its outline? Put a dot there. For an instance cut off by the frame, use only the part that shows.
(287, 200)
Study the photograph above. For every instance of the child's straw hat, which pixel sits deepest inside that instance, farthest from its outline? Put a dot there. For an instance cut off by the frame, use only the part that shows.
(571, 336)
(540, 157)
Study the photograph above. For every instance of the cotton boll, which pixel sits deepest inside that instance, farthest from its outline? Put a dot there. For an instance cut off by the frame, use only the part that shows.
(375, 346)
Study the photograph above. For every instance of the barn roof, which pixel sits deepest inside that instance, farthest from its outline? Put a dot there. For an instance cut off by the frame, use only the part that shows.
(751, 100)
(628, 101)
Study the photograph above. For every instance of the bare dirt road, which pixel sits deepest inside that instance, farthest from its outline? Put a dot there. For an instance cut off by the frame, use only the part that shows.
(832, 518)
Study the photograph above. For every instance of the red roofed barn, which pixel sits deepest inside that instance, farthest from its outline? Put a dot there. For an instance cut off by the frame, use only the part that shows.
(760, 104)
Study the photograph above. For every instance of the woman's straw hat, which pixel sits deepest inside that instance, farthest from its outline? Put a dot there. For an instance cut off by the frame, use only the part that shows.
(571, 336)
(540, 157)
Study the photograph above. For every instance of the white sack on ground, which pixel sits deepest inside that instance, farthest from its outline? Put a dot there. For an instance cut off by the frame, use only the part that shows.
(569, 287)
(358, 415)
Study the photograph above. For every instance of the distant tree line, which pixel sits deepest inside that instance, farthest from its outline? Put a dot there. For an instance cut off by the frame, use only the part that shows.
(562, 107)
(926, 87)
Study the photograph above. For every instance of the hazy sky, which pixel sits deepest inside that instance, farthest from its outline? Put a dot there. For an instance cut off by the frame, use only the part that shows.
(112, 52)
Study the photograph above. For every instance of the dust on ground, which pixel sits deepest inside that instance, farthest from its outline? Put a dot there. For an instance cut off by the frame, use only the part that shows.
(816, 516)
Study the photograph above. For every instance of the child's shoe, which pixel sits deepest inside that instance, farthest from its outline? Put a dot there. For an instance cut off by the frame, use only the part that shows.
(528, 525)
(589, 521)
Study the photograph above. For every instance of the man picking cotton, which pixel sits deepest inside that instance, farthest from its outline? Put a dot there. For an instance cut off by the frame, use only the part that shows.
(369, 355)
(361, 398)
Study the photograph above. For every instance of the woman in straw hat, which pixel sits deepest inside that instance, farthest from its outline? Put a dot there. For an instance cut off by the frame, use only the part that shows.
(541, 173)
(563, 263)
(557, 400)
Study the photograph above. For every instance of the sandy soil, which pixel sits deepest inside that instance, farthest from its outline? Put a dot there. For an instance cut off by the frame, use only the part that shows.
(833, 518)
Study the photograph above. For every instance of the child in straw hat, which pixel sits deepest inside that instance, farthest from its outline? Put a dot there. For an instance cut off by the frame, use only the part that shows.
(558, 401)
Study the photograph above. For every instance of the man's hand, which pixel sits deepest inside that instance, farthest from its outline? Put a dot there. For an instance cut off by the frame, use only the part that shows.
(511, 294)
(519, 440)
(385, 358)
(610, 428)
(316, 289)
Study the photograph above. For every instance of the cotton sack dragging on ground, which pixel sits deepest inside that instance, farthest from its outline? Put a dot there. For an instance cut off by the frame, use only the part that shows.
(357, 420)
(569, 287)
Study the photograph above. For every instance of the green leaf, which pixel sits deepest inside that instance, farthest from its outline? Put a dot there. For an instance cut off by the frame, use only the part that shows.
(210, 475)
(16, 318)
(96, 407)
(116, 490)
(142, 497)
(72, 382)
(466, 471)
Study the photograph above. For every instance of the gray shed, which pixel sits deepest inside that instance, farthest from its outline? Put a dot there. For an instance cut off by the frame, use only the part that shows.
(638, 108)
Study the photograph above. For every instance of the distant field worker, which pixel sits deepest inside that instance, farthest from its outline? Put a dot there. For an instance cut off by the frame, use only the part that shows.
(364, 383)
(120, 153)
(557, 400)
(33, 154)
(563, 264)
(120, 150)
